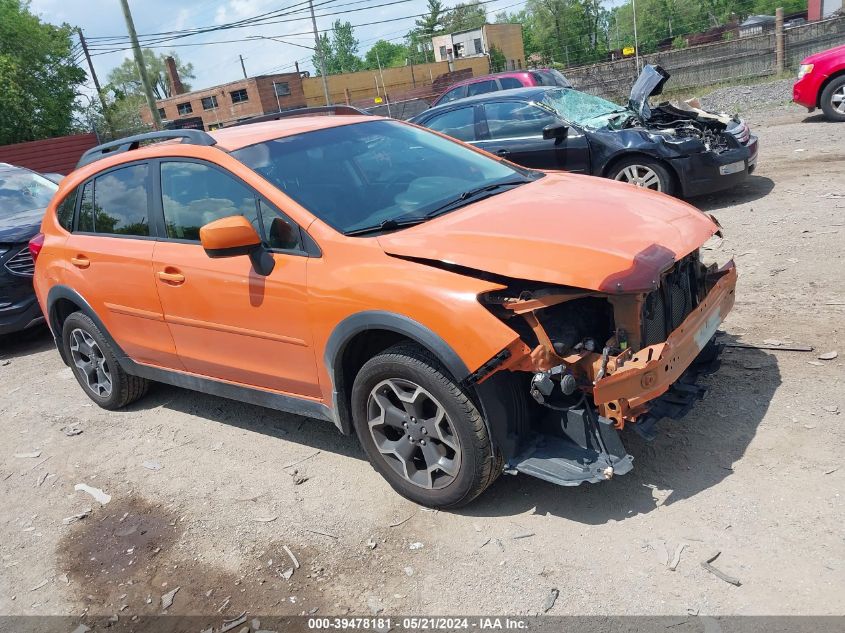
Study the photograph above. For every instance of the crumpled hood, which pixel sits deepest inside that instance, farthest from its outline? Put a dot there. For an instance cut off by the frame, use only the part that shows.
(563, 229)
(20, 227)
(649, 84)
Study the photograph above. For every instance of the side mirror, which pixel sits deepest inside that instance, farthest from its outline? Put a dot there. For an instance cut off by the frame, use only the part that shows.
(556, 131)
(233, 236)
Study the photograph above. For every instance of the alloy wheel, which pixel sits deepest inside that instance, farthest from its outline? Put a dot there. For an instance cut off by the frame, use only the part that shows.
(641, 176)
(837, 100)
(414, 434)
(89, 359)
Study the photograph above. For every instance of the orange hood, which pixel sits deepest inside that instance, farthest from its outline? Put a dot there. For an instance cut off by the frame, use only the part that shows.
(564, 229)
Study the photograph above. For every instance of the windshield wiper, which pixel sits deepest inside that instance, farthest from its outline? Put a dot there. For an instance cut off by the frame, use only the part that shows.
(387, 225)
(467, 196)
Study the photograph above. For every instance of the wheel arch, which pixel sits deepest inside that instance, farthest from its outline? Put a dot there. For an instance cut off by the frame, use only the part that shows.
(361, 336)
(832, 77)
(62, 301)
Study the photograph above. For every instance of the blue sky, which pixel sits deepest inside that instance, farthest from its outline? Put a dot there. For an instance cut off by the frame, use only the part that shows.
(214, 64)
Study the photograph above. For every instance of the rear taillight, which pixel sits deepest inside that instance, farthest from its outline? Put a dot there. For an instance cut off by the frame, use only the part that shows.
(35, 245)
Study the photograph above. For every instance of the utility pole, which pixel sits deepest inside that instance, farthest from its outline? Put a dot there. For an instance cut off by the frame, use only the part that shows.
(94, 77)
(243, 68)
(139, 61)
(381, 74)
(320, 54)
(636, 41)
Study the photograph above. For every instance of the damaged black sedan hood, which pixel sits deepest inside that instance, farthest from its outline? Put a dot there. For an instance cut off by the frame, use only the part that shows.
(649, 84)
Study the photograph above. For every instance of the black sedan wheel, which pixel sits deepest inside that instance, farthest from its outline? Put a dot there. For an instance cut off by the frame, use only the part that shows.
(420, 429)
(643, 172)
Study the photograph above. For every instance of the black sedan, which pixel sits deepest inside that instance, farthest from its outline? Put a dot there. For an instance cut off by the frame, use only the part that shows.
(682, 151)
(24, 195)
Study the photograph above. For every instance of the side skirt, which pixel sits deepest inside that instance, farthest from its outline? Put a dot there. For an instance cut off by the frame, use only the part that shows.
(250, 395)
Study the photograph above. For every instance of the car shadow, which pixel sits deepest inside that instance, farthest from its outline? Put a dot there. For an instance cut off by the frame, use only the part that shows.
(818, 117)
(318, 434)
(689, 455)
(753, 188)
(17, 344)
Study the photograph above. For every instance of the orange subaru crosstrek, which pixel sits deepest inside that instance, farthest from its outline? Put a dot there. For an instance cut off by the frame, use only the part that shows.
(463, 315)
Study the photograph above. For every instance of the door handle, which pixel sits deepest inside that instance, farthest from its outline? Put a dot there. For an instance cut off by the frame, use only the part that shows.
(80, 261)
(174, 279)
(502, 152)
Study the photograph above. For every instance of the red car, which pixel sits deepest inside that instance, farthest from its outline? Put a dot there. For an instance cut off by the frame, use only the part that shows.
(821, 83)
(503, 81)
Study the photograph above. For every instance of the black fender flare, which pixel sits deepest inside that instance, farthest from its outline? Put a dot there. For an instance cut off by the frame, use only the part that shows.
(355, 324)
(64, 292)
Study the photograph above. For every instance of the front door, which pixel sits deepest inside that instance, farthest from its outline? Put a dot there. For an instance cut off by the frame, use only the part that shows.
(514, 130)
(110, 253)
(229, 322)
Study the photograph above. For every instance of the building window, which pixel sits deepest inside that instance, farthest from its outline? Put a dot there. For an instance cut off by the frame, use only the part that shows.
(282, 88)
(442, 52)
(239, 96)
(478, 49)
(184, 108)
(209, 103)
(161, 113)
(459, 50)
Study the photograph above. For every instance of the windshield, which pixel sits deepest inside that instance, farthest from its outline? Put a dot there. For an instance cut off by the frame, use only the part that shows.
(583, 109)
(22, 191)
(375, 173)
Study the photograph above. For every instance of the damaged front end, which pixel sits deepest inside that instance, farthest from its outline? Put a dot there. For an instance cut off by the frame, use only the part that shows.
(595, 363)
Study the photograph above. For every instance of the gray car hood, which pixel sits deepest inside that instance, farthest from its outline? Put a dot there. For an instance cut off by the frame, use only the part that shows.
(649, 84)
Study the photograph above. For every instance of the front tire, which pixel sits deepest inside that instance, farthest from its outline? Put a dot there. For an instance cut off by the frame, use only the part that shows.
(833, 99)
(644, 172)
(95, 367)
(420, 429)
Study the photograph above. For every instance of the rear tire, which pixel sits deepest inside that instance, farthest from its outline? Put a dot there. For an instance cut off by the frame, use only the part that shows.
(833, 99)
(94, 365)
(645, 172)
(420, 430)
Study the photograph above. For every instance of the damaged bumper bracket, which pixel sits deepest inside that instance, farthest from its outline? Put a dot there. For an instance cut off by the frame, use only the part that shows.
(588, 450)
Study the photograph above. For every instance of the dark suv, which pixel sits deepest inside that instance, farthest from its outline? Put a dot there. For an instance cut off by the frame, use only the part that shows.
(24, 196)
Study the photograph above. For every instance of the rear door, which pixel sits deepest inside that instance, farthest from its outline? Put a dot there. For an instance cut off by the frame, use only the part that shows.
(229, 322)
(514, 130)
(109, 259)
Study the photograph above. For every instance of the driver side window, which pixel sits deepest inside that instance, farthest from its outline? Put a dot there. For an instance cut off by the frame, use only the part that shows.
(516, 119)
(459, 124)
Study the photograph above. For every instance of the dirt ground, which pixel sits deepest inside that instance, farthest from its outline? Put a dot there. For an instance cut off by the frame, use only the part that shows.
(206, 493)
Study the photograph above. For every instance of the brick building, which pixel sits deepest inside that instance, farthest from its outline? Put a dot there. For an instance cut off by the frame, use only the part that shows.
(507, 38)
(220, 105)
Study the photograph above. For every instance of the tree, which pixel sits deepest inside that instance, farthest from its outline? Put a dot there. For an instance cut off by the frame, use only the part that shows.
(432, 22)
(388, 53)
(465, 16)
(124, 79)
(38, 76)
(340, 50)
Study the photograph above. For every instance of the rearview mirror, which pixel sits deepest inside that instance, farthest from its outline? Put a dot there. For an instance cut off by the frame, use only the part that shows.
(233, 236)
(557, 131)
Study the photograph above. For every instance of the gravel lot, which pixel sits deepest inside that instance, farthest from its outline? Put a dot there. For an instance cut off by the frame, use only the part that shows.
(206, 493)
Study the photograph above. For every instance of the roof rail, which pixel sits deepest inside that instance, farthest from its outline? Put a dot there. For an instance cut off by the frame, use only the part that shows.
(337, 110)
(191, 137)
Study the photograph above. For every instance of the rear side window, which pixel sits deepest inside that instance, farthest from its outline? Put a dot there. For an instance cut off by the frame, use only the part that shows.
(479, 88)
(516, 119)
(194, 194)
(64, 212)
(453, 94)
(121, 202)
(86, 209)
(459, 124)
(510, 82)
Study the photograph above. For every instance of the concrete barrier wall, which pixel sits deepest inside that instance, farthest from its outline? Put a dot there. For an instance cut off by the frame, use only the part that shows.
(361, 86)
(713, 63)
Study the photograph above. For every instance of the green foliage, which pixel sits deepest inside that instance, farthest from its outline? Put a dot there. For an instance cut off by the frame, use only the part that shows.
(679, 42)
(340, 50)
(124, 80)
(432, 22)
(498, 61)
(38, 76)
(464, 16)
(388, 53)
